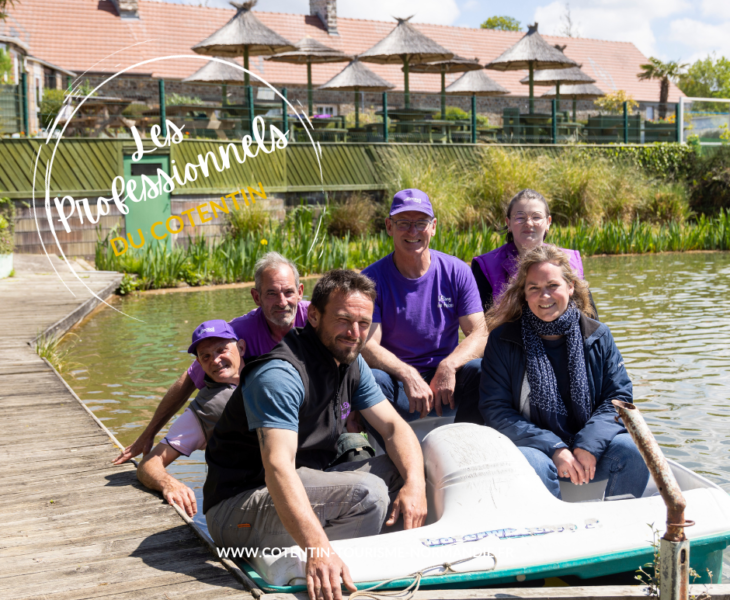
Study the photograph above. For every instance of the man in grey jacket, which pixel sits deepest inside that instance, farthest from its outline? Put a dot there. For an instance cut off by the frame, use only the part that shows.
(219, 352)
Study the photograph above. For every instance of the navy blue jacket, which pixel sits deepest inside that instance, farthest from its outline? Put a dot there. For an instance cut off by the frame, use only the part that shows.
(503, 369)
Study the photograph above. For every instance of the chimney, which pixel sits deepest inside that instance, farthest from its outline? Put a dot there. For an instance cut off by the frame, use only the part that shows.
(127, 9)
(326, 10)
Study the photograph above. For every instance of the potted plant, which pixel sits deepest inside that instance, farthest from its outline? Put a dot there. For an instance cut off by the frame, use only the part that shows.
(7, 233)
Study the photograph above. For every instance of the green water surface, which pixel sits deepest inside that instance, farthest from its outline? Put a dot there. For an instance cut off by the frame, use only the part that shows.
(669, 314)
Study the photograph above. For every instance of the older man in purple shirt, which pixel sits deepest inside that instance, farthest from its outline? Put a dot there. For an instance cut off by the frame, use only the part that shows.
(278, 294)
(423, 298)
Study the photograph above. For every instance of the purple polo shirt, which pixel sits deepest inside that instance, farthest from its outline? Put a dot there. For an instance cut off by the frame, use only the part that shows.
(420, 317)
(252, 328)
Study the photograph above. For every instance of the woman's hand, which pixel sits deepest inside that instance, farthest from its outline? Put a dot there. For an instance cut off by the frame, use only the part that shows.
(587, 461)
(568, 466)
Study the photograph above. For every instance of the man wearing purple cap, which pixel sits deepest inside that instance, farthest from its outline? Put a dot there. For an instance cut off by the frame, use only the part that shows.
(423, 298)
(278, 294)
(218, 353)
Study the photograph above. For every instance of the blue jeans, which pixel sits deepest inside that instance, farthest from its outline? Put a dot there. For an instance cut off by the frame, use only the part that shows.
(621, 464)
(466, 393)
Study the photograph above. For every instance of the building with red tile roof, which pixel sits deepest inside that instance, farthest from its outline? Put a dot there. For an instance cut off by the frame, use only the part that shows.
(90, 36)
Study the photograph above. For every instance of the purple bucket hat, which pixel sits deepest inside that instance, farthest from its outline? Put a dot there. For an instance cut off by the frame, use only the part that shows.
(411, 199)
(217, 328)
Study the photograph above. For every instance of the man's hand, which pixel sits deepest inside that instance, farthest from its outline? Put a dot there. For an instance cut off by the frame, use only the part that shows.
(142, 445)
(177, 492)
(443, 385)
(587, 461)
(420, 396)
(568, 466)
(324, 570)
(411, 503)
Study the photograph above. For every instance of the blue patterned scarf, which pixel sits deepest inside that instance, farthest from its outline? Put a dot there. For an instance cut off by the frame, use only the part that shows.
(547, 409)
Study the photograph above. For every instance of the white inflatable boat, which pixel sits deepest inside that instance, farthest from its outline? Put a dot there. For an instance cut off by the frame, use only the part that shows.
(489, 512)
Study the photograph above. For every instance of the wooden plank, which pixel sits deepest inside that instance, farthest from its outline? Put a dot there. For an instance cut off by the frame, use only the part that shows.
(613, 592)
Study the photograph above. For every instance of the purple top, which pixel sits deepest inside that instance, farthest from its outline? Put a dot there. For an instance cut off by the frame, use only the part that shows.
(420, 317)
(501, 263)
(252, 328)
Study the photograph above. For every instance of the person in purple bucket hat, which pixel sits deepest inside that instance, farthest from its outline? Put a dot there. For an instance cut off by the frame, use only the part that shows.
(423, 298)
(219, 353)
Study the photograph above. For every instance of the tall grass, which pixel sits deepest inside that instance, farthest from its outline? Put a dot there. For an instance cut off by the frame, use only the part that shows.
(580, 186)
(303, 240)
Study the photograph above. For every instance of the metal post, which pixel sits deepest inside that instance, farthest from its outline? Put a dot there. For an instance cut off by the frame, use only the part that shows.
(473, 118)
(674, 547)
(357, 109)
(680, 119)
(249, 91)
(385, 117)
(532, 88)
(443, 93)
(24, 99)
(554, 128)
(310, 100)
(246, 77)
(284, 111)
(626, 122)
(163, 112)
(677, 123)
(575, 106)
(406, 70)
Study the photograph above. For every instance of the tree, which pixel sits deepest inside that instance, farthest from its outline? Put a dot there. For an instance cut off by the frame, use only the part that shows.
(6, 67)
(707, 78)
(569, 27)
(502, 24)
(614, 102)
(4, 6)
(664, 72)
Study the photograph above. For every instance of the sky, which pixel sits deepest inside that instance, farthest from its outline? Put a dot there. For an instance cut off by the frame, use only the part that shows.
(682, 30)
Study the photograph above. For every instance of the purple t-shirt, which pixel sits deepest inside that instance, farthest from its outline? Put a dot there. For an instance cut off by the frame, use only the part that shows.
(252, 328)
(420, 317)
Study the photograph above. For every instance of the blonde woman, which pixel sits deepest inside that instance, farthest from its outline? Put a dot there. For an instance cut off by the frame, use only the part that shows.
(549, 374)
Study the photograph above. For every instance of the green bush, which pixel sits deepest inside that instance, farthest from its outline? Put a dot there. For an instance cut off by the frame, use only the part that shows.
(358, 215)
(178, 99)
(659, 160)
(246, 220)
(51, 103)
(709, 181)
(7, 226)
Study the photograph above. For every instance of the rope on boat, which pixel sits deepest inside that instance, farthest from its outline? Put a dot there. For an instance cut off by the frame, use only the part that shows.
(409, 592)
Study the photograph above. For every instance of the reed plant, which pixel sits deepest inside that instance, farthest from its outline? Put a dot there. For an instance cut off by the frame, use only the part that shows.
(303, 239)
(581, 186)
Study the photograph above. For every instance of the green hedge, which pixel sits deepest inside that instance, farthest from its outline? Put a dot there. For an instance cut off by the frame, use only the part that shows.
(7, 226)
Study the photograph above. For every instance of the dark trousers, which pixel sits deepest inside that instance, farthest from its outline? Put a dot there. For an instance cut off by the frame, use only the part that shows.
(466, 395)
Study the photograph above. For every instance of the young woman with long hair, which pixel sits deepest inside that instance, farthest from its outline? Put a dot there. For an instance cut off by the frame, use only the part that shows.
(549, 374)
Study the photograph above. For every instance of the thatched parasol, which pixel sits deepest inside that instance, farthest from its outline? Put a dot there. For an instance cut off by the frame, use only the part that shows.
(531, 52)
(244, 35)
(216, 72)
(405, 44)
(457, 64)
(476, 83)
(356, 77)
(585, 91)
(308, 52)
(556, 77)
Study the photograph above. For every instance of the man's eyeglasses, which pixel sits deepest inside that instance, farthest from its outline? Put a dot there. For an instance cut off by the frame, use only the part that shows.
(522, 219)
(403, 225)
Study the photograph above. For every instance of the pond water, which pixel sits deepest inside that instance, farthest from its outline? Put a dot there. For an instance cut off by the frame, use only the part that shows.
(669, 314)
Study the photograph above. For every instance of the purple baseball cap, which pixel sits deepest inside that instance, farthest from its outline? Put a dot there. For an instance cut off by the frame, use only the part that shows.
(411, 199)
(217, 328)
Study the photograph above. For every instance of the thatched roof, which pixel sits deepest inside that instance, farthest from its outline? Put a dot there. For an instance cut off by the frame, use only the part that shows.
(356, 76)
(477, 83)
(244, 29)
(585, 91)
(216, 72)
(312, 51)
(532, 48)
(553, 76)
(405, 41)
(457, 64)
